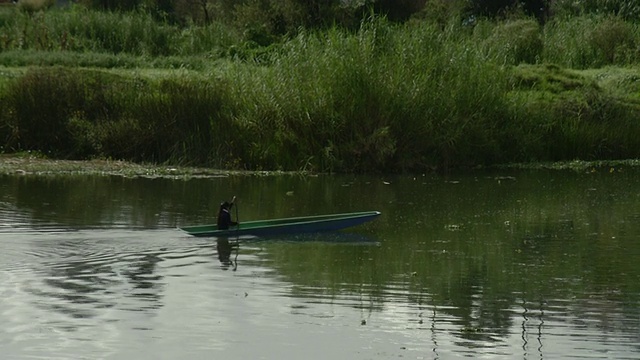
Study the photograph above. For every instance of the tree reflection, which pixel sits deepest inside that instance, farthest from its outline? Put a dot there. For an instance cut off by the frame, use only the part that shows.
(475, 248)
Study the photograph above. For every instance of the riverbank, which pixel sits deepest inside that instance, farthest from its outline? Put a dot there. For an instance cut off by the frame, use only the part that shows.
(26, 164)
(544, 114)
(385, 98)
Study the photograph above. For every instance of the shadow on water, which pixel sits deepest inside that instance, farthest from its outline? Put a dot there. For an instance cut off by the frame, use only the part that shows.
(228, 247)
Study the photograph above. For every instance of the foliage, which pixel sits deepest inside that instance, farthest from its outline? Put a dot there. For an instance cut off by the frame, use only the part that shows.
(173, 120)
(336, 101)
(31, 6)
(46, 109)
(80, 30)
(442, 12)
(571, 117)
(427, 94)
(112, 5)
(591, 41)
(505, 8)
(93, 113)
(615, 41)
(625, 9)
(515, 42)
(400, 10)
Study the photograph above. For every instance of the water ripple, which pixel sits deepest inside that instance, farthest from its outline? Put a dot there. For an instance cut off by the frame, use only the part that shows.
(101, 293)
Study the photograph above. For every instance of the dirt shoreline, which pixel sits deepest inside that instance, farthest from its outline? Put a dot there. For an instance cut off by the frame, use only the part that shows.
(12, 164)
(33, 165)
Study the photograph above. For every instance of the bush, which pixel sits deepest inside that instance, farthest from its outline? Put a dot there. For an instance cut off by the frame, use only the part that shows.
(615, 42)
(183, 121)
(515, 42)
(31, 6)
(135, 33)
(42, 103)
(383, 98)
(591, 41)
(626, 9)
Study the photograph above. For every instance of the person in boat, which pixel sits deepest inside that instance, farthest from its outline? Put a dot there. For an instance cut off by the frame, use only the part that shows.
(224, 215)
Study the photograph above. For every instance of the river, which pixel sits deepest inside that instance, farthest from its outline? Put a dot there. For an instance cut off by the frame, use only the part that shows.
(500, 264)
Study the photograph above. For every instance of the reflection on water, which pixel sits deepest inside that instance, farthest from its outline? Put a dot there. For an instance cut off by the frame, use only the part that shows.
(529, 265)
(77, 279)
(224, 248)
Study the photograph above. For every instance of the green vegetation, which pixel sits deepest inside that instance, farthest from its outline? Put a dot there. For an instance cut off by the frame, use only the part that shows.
(432, 92)
(30, 163)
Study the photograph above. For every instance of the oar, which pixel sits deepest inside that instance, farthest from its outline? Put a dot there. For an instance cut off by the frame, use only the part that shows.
(237, 218)
(235, 265)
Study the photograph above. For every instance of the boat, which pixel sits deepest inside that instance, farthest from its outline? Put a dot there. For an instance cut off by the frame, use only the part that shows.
(285, 226)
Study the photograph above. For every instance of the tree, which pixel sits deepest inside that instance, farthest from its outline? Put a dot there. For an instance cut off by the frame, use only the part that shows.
(398, 10)
(113, 4)
(626, 9)
(494, 8)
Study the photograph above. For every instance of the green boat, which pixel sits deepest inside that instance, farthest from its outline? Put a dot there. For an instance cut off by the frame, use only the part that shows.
(286, 226)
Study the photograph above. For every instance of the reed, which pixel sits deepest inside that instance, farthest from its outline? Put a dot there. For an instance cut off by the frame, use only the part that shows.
(512, 42)
(591, 41)
(85, 113)
(382, 98)
(48, 110)
(564, 115)
(385, 97)
(172, 120)
(25, 58)
(31, 6)
(135, 33)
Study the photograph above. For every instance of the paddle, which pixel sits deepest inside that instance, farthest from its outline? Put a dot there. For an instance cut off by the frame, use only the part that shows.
(237, 219)
(235, 265)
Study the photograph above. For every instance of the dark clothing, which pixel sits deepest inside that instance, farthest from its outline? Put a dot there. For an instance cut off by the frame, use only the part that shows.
(224, 219)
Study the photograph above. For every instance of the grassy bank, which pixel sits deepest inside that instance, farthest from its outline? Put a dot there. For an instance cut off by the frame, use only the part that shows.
(29, 163)
(385, 98)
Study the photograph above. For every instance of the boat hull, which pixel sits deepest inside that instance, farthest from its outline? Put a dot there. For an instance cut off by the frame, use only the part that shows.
(286, 226)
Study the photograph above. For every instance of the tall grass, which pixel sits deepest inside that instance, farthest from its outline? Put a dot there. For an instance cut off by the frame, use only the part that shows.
(85, 113)
(578, 42)
(513, 42)
(561, 115)
(383, 98)
(175, 120)
(135, 33)
(591, 41)
(40, 105)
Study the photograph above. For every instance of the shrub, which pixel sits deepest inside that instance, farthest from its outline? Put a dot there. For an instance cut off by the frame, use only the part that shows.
(515, 42)
(50, 107)
(625, 9)
(179, 120)
(31, 6)
(614, 41)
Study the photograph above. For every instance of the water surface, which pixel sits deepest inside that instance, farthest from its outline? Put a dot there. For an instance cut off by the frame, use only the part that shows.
(518, 264)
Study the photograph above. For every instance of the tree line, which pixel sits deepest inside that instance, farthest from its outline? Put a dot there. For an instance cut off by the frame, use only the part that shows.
(267, 21)
(285, 16)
